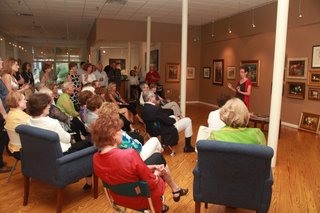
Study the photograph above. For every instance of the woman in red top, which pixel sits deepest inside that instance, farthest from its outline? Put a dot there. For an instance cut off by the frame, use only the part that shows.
(244, 85)
(117, 166)
(152, 76)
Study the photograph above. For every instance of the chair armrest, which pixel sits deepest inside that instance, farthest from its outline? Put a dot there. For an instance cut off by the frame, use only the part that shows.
(76, 155)
(196, 183)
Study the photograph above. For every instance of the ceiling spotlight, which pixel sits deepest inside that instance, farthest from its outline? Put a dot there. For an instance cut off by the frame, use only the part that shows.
(252, 22)
(229, 30)
(1, 39)
(103, 51)
(9, 42)
(253, 25)
(300, 13)
(212, 35)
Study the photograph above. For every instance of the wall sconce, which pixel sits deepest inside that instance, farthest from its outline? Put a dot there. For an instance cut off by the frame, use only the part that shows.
(212, 28)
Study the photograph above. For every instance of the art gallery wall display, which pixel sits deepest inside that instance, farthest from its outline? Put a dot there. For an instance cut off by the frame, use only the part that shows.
(253, 67)
(315, 63)
(231, 73)
(297, 68)
(218, 70)
(173, 72)
(191, 73)
(296, 90)
(206, 72)
(314, 93)
(309, 122)
(314, 78)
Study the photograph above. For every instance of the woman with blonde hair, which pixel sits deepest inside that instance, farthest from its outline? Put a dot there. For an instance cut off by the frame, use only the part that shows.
(10, 66)
(236, 116)
(115, 97)
(16, 116)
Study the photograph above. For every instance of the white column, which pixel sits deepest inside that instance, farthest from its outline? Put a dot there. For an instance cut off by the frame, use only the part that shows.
(277, 79)
(148, 43)
(184, 49)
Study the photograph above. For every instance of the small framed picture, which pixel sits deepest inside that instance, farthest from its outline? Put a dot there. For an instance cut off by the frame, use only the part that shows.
(231, 73)
(314, 94)
(191, 72)
(296, 90)
(315, 56)
(207, 72)
(217, 77)
(309, 122)
(253, 67)
(297, 68)
(173, 72)
(314, 78)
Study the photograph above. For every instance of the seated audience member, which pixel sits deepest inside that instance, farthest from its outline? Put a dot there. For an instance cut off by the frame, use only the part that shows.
(88, 87)
(38, 107)
(56, 113)
(214, 121)
(169, 127)
(236, 116)
(16, 116)
(165, 104)
(120, 162)
(95, 84)
(101, 91)
(83, 97)
(55, 93)
(115, 97)
(65, 104)
(144, 88)
(93, 104)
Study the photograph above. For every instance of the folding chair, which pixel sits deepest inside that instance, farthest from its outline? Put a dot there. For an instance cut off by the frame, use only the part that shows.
(134, 189)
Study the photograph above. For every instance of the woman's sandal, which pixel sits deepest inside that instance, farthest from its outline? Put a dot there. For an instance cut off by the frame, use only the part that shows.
(165, 208)
(181, 192)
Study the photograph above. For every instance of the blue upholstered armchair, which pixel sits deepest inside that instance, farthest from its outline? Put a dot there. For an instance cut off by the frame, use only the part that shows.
(42, 159)
(234, 175)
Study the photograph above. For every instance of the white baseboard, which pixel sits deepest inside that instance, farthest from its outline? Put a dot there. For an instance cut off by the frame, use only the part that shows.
(289, 125)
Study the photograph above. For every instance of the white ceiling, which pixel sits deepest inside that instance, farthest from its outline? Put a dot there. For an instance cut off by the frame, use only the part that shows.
(73, 19)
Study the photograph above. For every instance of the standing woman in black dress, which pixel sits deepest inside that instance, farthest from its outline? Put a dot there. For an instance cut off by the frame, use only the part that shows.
(75, 79)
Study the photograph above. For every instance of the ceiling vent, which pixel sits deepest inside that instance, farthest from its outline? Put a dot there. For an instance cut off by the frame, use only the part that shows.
(25, 14)
(123, 2)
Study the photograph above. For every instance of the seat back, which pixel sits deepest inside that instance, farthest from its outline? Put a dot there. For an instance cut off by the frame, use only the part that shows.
(232, 174)
(14, 138)
(134, 189)
(40, 150)
(153, 128)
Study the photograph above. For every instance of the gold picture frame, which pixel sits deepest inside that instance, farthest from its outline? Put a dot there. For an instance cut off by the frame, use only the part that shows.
(173, 72)
(309, 122)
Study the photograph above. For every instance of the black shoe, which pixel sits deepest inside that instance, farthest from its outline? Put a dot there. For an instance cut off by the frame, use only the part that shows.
(188, 149)
(86, 187)
(165, 208)
(181, 192)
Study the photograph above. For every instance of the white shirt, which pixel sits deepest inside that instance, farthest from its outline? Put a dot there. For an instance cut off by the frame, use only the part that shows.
(101, 77)
(91, 77)
(52, 125)
(133, 80)
(80, 71)
(214, 121)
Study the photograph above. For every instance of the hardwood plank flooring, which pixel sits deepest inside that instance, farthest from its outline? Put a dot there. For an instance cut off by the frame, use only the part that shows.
(296, 179)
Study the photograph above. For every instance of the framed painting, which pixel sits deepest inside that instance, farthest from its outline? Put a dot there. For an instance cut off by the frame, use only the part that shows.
(217, 76)
(231, 73)
(207, 72)
(191, 72)
(314, 78)
(253, 67)
(296, 90)
(173, 72)
(297, 68)
(314, 94)
(315, 63)
(309, 122)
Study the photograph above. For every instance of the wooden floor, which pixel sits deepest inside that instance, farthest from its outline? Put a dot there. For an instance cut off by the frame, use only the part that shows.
(296, 188)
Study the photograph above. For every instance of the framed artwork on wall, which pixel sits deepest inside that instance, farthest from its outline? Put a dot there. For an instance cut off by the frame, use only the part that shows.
(314, 94)
(173, 72)
(207, 72)
(296, 90)
(217, 76)
(121, 61)
(191, 72)
(254, 70)
(231, 73)
(315, 63)
(297, 68)
(314, 78)
(309, 122)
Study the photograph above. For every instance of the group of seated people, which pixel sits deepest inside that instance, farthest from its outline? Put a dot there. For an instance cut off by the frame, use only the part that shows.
(122, 155)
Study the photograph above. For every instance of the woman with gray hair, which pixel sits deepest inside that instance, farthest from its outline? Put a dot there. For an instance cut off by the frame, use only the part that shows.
(236, 116)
